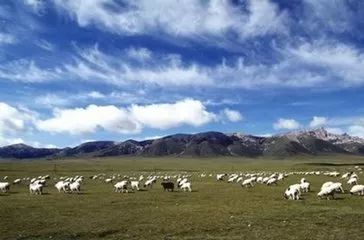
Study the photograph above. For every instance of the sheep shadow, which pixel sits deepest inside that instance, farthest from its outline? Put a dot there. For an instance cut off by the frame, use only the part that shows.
(142, 190)
(80, 193)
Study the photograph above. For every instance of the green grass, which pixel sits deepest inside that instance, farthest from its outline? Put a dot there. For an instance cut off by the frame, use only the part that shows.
(212, 211)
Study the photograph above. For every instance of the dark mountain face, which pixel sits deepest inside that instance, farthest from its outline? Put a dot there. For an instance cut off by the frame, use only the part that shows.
(208, 144)
(85, 148)
(20, 151)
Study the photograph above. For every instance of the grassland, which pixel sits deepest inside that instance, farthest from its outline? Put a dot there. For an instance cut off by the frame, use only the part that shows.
(212, 211)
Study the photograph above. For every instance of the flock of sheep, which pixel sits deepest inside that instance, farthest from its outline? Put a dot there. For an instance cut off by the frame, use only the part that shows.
(73, 184)
(183, 182)
(294, 191)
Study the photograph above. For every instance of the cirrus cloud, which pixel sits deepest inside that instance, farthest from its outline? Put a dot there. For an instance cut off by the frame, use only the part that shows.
(193, 19)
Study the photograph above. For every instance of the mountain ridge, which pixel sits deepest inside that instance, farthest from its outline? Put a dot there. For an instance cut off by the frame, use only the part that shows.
(205, 144)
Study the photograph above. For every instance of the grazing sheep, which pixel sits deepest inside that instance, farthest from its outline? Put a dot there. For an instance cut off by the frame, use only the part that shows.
(168, 186)
(17, 181)
(346, 175)
(337, 186)
(232, 178)
(121, 186)
(220, 177)
(292, 193)
(183, 181)
(134, 185)
(4, 187)
(359, 189)
(304, 185)
(36, 188)
(186, 186)
(272, 181)
(327, 192)
(150, 182)
(326, 184)
(108, 180)
(62, 186)
(352, 181)
(248, 182)
(75, 187)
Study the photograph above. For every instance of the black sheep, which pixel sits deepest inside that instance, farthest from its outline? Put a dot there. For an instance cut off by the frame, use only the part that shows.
(169, 186)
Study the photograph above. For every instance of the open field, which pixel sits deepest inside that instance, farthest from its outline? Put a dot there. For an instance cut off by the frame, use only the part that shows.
(214, 210)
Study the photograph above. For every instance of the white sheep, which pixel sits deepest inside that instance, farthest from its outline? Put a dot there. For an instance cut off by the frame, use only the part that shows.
(326, 184)
(272, 181)
(121, 186)
(352, 181)
(134, 185)
(4, 187)
(17, 181)
(220, 177)
(75, 187)
(337, 186)
(62, 186)
(108, 180)
(359, 189)
(304, 185)
(327, 192)
(292, 192)
(232, 178)
(36, 188)
(248, 182)
(183, 181)
(186, 186)
(345, 175)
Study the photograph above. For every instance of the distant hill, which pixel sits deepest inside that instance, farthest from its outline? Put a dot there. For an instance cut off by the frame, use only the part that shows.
(206, 144)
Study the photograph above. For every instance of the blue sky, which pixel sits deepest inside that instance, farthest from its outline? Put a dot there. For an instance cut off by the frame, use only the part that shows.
(72, 71)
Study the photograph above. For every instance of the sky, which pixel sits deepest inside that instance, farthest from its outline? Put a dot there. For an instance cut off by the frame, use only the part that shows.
(75, 71)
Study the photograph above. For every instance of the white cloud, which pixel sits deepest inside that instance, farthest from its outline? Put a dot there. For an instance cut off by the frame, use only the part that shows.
(13, 120)
(52, 100)
(5, 141)
(96, 95)
(164, 70)
(318, 121)
(335, 60)
(265, 18)
(7, 38)
(89, 120)
(36, 5)
(288, 124)
(139, 54)
(164, 116)
(307, 65)
(325, 15)
(27, 71)
(335, 130)
(37, 144)
(44, 44)
(304, 66)
(232, 115)
(193, 19)
(127, 120)
(356, 130)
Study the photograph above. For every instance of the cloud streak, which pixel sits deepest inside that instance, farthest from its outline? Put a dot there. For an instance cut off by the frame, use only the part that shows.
(192, 19)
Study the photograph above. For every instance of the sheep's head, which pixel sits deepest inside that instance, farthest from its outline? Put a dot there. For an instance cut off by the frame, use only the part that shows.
(285, 196)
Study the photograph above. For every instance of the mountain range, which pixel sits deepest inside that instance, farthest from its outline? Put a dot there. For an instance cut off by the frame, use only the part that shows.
(206, 144)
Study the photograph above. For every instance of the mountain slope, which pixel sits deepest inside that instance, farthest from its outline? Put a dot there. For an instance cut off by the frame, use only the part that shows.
(207, 144)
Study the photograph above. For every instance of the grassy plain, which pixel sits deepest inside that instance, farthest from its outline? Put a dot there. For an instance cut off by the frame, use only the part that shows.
(214, 210)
